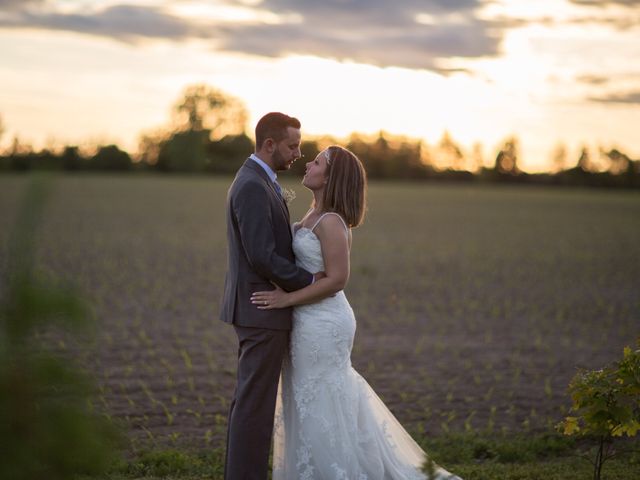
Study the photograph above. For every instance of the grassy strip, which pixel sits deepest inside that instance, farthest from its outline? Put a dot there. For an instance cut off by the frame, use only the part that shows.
(472, 448)
(485, 456)
(557, 469)
(472, 456)
(169, 464)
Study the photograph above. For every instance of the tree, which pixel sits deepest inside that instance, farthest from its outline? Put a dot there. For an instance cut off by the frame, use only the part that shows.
(584, 161)
(378, 158)
(408, 158)
(606, 405)
(618, 161)
(203, 107)
(18, 155)
(227, 154)
(111, 157)
(150, 144)
(184, 152)
(71, 159)
(633, 170)
(507, 159)
(449, 153)
(207, 124)
(477, 157)
(2, 128)
(559, 157)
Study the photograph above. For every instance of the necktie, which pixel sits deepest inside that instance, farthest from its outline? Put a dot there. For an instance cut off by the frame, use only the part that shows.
(278, 187)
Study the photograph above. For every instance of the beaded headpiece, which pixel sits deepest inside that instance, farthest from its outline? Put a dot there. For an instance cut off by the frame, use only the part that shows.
(327, 156)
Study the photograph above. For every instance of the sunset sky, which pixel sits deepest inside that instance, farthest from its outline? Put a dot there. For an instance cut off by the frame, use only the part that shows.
(548, 71)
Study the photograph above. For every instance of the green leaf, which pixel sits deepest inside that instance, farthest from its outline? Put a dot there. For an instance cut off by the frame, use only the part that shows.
(571, 426)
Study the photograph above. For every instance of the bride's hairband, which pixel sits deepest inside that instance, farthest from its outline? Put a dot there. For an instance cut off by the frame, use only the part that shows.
(327, 156)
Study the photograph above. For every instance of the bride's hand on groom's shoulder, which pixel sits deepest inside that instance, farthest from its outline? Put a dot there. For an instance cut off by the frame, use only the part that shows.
(268, 300)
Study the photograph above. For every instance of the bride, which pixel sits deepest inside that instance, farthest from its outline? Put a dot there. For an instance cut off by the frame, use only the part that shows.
(329, 422)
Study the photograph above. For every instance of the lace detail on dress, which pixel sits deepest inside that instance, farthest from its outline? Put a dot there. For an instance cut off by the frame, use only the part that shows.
(329, 423)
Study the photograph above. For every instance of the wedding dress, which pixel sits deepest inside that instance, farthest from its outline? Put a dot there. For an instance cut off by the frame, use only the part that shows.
(329, 423)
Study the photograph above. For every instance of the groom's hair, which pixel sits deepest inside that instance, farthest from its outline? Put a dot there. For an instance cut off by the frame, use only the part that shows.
(274, 125)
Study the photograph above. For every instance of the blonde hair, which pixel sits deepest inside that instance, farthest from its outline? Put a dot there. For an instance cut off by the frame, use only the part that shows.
(346, 190)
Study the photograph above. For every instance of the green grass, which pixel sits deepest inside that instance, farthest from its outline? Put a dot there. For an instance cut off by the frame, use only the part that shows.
(544, 456)
(471, 456)
(557, 469)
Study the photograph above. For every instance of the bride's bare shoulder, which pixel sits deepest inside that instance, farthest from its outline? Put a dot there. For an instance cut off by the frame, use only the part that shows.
(332, 225)
(334, 220)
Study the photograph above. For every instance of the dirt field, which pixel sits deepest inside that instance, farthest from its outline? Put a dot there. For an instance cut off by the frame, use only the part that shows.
(475, 304)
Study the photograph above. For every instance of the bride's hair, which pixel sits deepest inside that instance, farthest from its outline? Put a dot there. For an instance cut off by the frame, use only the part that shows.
(346, 190)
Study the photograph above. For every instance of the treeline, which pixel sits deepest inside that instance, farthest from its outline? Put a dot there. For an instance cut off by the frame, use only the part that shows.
(193, 152)
(206, 135)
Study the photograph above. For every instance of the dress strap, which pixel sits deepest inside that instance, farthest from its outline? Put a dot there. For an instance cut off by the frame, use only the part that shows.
(330, 213)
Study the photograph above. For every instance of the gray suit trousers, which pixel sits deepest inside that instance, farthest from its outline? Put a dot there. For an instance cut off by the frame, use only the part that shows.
(260, 355)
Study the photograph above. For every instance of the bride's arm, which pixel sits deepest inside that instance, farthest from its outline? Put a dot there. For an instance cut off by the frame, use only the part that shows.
(334, 241)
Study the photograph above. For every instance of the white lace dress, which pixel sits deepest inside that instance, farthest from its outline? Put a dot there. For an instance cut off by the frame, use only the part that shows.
(329, 423)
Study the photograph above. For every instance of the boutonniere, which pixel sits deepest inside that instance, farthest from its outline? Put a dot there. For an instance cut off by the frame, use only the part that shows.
(288, 195)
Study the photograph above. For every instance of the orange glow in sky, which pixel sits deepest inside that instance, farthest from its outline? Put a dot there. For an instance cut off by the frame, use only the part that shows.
(548, 71)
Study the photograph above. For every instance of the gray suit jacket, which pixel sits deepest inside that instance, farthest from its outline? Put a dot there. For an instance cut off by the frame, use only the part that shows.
(258, 250)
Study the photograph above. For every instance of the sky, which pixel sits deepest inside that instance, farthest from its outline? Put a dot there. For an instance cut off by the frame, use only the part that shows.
(548, 71)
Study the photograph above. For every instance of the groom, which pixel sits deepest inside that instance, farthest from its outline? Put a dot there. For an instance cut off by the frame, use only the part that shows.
(259, 252)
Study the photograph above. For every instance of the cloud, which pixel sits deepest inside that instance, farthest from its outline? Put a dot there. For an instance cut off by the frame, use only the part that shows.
(592, 79)
(123, 22)
(605, 3)
(405, 45)
(406, 33)
(624, 98)
(617, 22)
(416, 34)
(18, 4)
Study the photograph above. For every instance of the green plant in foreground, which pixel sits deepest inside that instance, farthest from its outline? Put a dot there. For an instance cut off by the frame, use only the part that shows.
(46, 427)
(606, 404)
